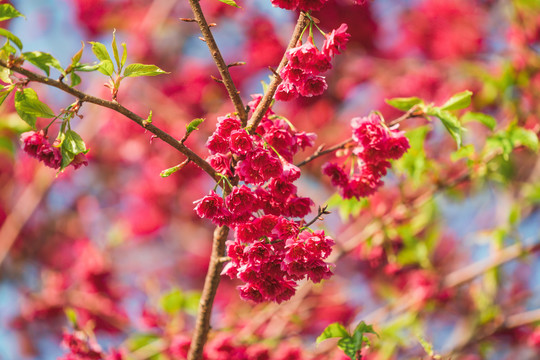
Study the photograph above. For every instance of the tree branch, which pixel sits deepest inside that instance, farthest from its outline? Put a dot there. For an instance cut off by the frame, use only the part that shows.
(218, 59)
(269, 95)
(169, 139)
(211, 282)
(320, 152)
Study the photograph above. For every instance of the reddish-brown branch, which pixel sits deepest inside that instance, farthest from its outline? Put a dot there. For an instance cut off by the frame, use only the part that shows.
(267, 98)
(320, 152)
(211, 282)
(169, 139)
(218, 59)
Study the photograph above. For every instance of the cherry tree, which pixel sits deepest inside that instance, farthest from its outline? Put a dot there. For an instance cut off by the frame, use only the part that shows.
(365, 171)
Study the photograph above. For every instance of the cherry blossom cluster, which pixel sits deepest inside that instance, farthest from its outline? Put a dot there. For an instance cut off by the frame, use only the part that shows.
(304, 5)
(225, 347)
(271, 250)
(376, 145)
(36, 145)
(82, 348)
(302, 74)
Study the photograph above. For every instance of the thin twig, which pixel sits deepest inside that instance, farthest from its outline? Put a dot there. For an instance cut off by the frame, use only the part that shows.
(320, 152)
(409, 114)
(169, 139)
(267, 98)
(218, 59)
(322, 211)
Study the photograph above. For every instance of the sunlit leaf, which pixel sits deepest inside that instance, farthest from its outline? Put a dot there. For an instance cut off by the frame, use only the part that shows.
(43, 61)
(100, 51)
(230, 3)
(458, 101)
(10, 36)
(29, 107)
(106, 67)
(172, 302)
(193, 125)
(134, 70)
(115, 49)
(332, 331)
(404, 104)
(7, 12)
(487, 120)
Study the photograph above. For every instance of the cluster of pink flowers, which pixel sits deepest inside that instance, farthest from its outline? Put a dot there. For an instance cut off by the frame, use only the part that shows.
(376, 145)
(36, 145)
(306, 63)
(271, 250)
(304, 5)
(82, 348)
(224, 347)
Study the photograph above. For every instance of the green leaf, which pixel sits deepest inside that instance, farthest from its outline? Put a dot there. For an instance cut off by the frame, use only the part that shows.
(106, 67)
(450, 122)
(87, 67)
(458, 101)
(8, 49)
(100, 51)
(415, 162)
(514, 218)
(71, 316)
(7, 12)
(78, 55)
(191, 302)
(29, 107)
(168, 172)
(4, 75)
(404, 104)
(73, 143)
(67, 158)
(148, 119)
(173, 301)
(124, 55)
(43, 61)
(193, 125)
(6, 146)
(347, 207)
(115, 49)
(500, 141)
(463, 152)
(134, 70)
(486, 120)
(364, 329)
(10, 36)
(5, 92)
(348, 346)
(137, 341)
(75, 79)
(332, 331)
(525, 137)
(230, 2)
